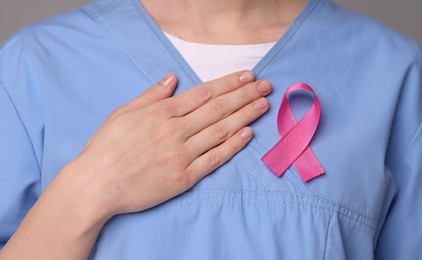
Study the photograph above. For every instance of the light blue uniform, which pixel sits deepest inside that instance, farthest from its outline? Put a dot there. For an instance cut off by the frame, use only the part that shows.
(61, 78)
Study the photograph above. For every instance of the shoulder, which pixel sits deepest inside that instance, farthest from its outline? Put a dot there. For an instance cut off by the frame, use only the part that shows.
(72, 27)
(366, 36)
(47, 44)
(33, 55)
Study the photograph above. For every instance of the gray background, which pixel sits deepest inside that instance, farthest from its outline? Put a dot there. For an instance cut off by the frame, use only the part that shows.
(404, 16)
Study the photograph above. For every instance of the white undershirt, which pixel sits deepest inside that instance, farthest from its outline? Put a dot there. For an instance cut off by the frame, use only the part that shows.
(210, 61)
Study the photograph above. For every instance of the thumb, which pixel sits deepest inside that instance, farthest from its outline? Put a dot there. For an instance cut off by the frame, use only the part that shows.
(159, 91)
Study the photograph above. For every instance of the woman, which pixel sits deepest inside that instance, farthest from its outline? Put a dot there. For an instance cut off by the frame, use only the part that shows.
(114, 195)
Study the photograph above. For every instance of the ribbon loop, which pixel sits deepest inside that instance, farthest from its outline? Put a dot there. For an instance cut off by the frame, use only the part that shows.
(293, 147)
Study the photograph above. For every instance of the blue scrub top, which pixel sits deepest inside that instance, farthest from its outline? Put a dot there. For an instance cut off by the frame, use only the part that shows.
(59, 79)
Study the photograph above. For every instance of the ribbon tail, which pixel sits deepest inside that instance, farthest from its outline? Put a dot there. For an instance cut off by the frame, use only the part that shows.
(308, 166)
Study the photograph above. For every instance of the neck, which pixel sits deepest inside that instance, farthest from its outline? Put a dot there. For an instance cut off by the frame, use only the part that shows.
(225, 21)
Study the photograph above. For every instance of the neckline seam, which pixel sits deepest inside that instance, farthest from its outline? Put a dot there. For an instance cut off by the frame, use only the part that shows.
(278, 49)
(170, 36)
(175, 56)
(257, 69)
(168, 46)
(97, 16)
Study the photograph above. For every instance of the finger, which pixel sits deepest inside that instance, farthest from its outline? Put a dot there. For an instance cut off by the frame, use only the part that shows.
(226, 128)
(217, 156)
(224, 105)
(193, 98)
(159, 91)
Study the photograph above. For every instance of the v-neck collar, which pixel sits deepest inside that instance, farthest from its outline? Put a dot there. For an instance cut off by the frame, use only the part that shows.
(131, 27)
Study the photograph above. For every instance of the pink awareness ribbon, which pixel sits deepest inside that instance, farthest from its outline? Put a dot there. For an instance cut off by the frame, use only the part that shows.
(293, 147)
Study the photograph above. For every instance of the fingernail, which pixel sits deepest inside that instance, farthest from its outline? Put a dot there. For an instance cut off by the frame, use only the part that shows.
(246, 134)
(167, 80)
(264, 87)
(246, 77)
(261, 104)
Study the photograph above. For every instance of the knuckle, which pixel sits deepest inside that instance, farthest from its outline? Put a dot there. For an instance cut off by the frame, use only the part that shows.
(219, 108)
(152, 93)
(158, 110)
(116, 112)
(228, 83)
(249, 114)
(181, 180)
(177, 129)
(214, 160)
(176, 157)
(154, 111)
(168, 108)
(172, 156)
(233, 146)
(247, 94)
(203, 93)
(219, 132)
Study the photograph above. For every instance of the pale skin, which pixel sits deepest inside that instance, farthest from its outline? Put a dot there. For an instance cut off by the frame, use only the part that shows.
(181, 138)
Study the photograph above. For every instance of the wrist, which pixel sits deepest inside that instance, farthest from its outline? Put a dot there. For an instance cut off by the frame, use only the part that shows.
(82, 197)
(64, 223)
